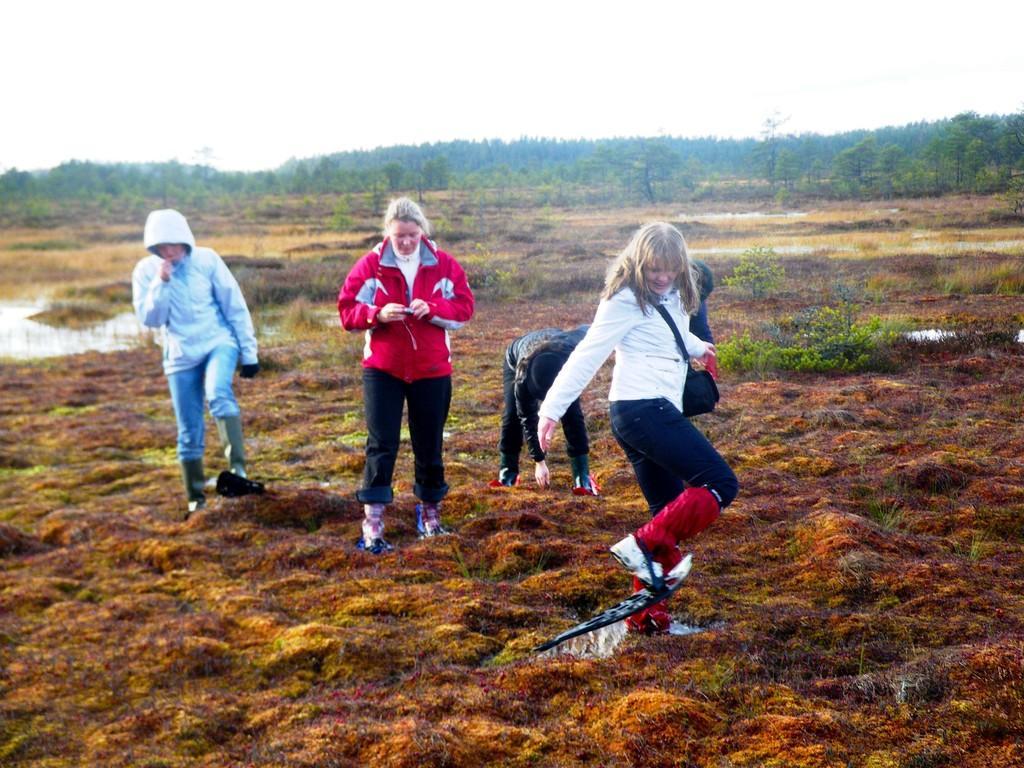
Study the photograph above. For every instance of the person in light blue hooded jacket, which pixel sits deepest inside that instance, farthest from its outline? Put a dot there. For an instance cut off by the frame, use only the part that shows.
(190, 294)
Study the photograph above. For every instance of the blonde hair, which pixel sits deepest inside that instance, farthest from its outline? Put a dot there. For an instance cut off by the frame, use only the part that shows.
(404, 209)
(658, 245)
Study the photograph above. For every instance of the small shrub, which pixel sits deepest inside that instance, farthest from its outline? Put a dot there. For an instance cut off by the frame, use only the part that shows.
(759, 272)
(887, 513)
(817, 340)
(341, 217)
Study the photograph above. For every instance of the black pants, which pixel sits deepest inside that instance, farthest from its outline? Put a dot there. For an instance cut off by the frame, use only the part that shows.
(668, 453)
(510, 442)
(428, 400)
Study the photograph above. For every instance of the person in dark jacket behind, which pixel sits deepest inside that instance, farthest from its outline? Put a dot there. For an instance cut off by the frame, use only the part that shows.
(530, 364)
(405, 295)
(705, 285)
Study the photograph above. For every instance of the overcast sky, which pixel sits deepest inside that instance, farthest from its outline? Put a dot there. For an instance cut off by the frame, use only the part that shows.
(247, 85)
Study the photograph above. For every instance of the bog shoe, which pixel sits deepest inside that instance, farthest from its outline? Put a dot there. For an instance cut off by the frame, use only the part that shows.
(634, 558)
(231, 485)
(428, 521)
(680, 571)
(374, 546)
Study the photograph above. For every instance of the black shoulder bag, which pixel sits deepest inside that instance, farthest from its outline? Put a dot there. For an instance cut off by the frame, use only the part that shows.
(700, 393)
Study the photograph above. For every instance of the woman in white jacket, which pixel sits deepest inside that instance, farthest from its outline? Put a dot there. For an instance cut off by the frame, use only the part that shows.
(191, 295)
(684, 479)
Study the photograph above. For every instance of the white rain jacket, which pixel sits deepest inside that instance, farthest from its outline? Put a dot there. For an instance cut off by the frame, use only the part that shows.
(201, 307)
(648, 363)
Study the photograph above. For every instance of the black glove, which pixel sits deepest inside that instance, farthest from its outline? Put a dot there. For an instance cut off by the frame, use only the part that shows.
(250, 370)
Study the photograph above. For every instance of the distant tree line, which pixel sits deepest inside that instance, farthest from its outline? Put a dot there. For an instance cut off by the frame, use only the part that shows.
(967, 153)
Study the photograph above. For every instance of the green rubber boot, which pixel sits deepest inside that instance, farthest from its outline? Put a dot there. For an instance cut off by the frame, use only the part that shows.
(582, 482)
(508, 469)
(230, 431)
(195, 481)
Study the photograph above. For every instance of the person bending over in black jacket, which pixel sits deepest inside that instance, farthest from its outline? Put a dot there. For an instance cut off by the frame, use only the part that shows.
(530, 364)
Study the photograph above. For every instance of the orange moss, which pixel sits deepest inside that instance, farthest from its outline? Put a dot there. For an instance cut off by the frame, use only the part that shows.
(14, 542)
(788, 741)
(808, 466)
(653, 727)
(834, 632)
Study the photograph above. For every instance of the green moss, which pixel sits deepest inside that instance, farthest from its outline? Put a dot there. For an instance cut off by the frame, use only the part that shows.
(72, 410)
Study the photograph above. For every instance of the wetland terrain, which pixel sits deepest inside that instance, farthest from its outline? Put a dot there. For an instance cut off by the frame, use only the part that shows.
(859, 605)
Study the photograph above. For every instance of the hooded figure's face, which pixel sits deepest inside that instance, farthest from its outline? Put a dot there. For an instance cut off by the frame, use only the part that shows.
(172, 252)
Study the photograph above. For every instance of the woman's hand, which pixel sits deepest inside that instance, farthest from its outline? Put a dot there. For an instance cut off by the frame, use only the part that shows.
(542, 475)
(707, 359)
(709, 362)
(545, 431)
(420, 308)
(392, 312)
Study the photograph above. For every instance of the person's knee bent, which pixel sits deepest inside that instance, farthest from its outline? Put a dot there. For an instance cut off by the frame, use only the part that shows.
(726, 487)
(221, 397)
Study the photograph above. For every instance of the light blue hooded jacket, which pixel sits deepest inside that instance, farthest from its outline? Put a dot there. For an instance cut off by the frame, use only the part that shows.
(201, 307)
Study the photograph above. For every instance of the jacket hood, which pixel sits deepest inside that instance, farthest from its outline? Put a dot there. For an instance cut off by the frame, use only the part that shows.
(705, 280)
(167, 226)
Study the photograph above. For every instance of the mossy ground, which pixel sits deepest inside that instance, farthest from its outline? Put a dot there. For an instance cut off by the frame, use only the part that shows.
(861, 600)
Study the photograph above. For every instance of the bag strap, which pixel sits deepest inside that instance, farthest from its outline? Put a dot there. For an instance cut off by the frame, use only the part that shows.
(675, 331)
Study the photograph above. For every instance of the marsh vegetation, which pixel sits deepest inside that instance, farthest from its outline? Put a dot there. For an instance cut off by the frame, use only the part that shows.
(859, 604)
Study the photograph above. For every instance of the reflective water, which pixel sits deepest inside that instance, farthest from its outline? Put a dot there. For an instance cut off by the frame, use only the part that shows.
(743, 215)
(786, 250)
(23, 338)
(602, 643)
(1000, 246)
(937, 334)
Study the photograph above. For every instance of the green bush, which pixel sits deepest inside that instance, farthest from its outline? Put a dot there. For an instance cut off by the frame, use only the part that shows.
(341, 216)
(817, 340)
(759, 272)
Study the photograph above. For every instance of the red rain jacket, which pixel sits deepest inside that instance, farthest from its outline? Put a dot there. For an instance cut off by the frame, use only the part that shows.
(411, 349)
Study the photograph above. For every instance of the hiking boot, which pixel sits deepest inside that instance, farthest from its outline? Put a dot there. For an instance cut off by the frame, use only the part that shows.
(635, 558)
(631, 553)
(375, 547)
(428, 521)
(233, 485)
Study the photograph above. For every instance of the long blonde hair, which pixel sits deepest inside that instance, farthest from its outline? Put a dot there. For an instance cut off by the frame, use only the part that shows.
(658, 245)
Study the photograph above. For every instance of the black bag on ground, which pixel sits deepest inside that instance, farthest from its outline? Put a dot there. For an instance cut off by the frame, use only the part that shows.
(700, 393)
(231, 485)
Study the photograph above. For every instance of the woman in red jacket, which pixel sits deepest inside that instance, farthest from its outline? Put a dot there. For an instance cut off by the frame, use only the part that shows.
(406, 295)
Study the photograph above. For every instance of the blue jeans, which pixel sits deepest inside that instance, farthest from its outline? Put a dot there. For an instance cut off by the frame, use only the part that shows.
(668, 453)
(209, 381)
